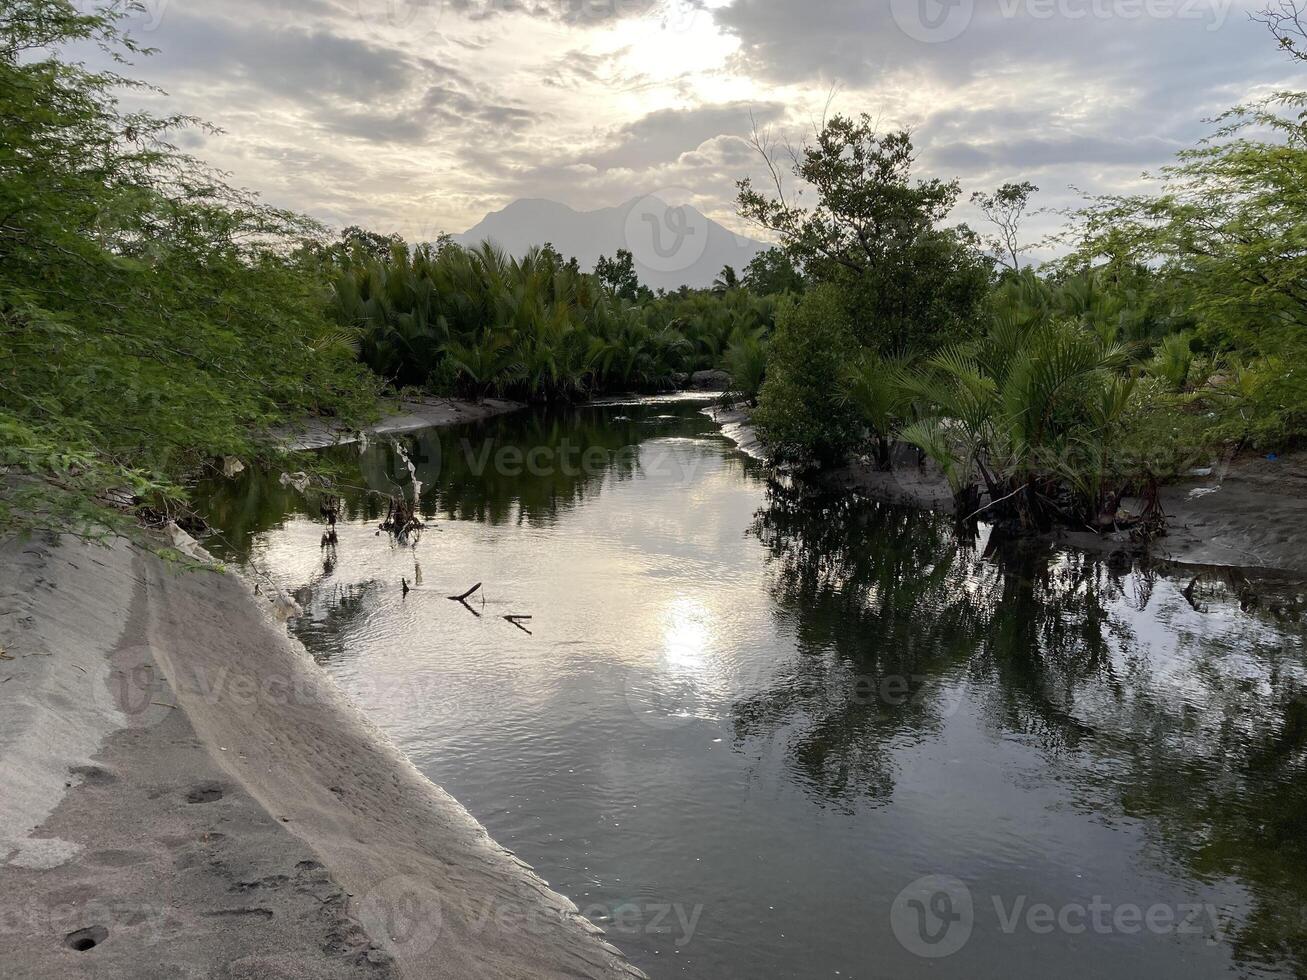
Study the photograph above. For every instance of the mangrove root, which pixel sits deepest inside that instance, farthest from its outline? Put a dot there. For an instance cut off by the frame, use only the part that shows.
(401, 520)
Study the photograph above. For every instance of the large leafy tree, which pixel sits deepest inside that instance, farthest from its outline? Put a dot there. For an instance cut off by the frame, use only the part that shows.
(909, 283)
(619, 275)
(772, 273)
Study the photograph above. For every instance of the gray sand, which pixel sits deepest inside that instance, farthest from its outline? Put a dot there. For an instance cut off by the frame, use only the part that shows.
(189, 795)
(405, 415)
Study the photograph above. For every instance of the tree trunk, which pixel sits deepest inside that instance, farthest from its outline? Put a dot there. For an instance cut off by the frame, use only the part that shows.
(884, 454)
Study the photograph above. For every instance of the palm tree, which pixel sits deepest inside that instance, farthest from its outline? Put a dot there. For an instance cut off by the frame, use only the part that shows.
(726, 280)
(876, 388)
(1019, 408)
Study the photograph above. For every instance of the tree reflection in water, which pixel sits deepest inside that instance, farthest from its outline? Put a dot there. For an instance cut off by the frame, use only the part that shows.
(524, 468)
(1151, 705)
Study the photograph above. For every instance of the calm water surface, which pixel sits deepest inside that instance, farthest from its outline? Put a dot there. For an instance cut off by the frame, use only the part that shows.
(756, 733)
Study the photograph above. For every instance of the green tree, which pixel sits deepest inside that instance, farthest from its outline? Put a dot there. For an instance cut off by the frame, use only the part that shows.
(746, 361)
(876, 388)
(771, 273)
(909, 283)
(151, 317)
(619, 275)
(802, 417)
(370, 243)
(1227, 233)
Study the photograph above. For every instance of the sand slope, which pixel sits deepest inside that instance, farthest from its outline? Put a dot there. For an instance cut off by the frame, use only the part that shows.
(192, 796)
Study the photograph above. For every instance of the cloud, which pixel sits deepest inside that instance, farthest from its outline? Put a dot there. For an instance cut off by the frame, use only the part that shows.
(293, 61)
(862, 42)
(666, 134)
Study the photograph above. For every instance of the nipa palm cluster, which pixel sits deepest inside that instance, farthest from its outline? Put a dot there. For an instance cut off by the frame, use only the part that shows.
(476, 322)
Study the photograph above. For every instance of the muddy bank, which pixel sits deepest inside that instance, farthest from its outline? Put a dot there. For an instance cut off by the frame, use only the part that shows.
(187, 794)
(1250, 512)
(1247, 512)
(402, 415)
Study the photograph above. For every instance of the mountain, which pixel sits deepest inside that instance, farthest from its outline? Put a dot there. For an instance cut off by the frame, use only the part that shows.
(672, 245)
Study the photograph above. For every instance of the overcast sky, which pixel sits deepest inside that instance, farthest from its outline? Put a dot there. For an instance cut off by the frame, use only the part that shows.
(419, 116)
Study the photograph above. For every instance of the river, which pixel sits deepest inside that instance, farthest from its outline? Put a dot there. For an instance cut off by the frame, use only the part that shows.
(756, 732)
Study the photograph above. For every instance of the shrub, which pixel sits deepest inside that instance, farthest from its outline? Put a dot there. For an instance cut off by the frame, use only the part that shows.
(802, 417)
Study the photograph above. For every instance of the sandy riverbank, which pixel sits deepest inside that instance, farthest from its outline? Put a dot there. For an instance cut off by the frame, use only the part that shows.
(402, 415)
(188, 795)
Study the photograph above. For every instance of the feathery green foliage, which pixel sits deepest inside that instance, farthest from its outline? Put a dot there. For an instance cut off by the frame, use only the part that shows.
(1227, 235)
(1037, 396)
(151, 317)
(878, 389)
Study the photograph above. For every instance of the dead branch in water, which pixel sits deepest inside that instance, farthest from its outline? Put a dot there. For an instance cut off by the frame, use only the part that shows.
(462, 599)
(518, 621)
(466, 595)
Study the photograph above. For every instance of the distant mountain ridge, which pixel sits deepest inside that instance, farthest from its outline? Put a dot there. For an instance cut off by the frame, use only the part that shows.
(673, 245)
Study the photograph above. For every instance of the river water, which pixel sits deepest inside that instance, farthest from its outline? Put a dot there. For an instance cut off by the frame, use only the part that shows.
(756, 732)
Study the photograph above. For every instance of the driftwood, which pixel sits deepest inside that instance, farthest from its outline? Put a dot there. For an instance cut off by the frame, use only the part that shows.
(462, 599)
(518, 621)
(466, 595)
